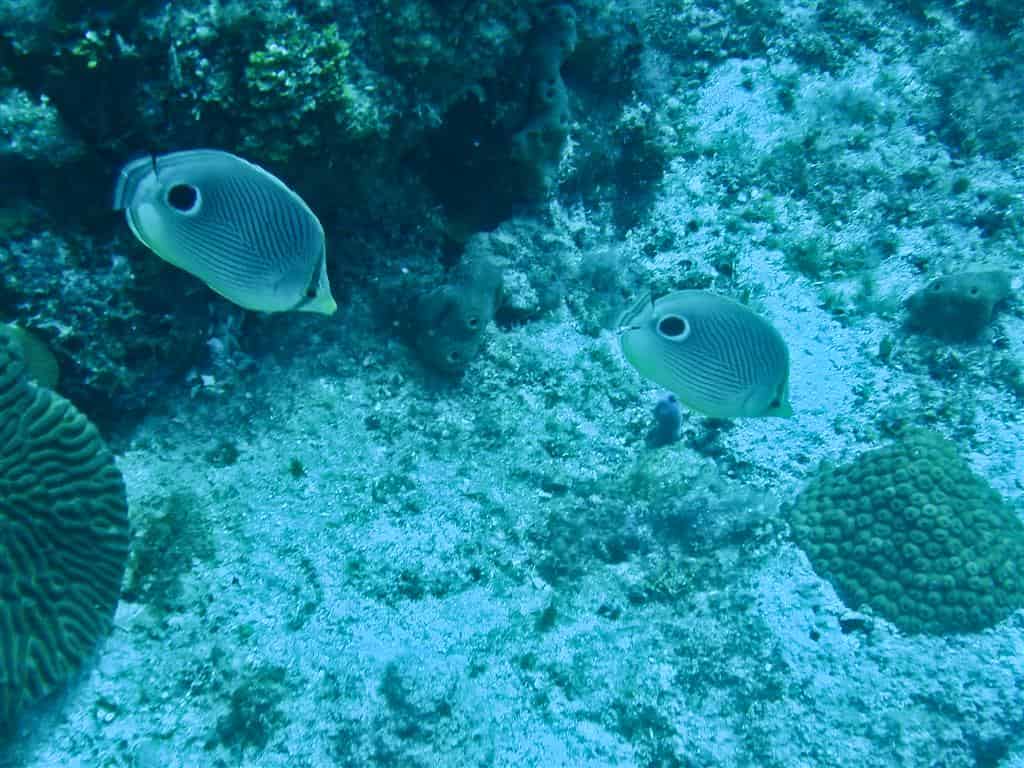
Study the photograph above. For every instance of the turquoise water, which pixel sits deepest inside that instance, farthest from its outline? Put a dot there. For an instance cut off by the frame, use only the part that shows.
(349, 550)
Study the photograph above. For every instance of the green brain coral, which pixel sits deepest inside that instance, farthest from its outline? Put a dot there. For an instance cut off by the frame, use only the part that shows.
(911, 532)
(63, 537)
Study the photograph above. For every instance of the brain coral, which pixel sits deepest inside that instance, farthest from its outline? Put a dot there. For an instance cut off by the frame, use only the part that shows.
(63, 537)
(911, 532)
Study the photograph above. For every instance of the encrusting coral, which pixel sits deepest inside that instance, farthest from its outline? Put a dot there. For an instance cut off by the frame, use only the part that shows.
(911, 532)
(64, 537)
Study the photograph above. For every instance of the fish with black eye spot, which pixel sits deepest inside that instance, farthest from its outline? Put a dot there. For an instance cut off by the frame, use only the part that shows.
(716, 355)
(233, 225)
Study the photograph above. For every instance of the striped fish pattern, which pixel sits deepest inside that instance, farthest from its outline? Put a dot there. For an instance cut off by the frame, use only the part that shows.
(232, 224)
(715, 354)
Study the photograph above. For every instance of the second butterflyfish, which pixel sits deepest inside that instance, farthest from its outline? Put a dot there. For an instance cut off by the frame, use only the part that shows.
(718, 356)
(235, 226)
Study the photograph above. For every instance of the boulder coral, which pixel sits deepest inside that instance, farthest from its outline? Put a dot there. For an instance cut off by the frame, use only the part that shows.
(910, 532)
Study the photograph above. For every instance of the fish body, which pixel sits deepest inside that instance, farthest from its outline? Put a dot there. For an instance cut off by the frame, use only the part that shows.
(232, 224)
(717, 356)
(40, 363)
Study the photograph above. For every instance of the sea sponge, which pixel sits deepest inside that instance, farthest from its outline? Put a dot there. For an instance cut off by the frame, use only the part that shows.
(909, 531)
(668, 418)
(448, 322)
(64, 537)
(538, 144)
(958, 306)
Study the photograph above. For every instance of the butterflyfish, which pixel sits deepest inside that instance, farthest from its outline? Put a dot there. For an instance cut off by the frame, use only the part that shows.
(232, 224)
(39, 360)
(716, 355)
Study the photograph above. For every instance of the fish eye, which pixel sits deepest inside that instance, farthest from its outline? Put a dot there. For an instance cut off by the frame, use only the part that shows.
(673, 328)
(311, 292)
(183, 198)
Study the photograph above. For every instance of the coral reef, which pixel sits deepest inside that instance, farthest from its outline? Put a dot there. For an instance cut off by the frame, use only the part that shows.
(909, 531)
(117, 337)
(472, 98)
(958, 306)
(498, 147)
(31, 130)
(498, 571)
(300, 90)
(63, 537)
(536, 259)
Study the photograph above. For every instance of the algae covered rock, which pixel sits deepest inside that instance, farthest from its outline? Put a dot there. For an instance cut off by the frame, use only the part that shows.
(909, 531)
(958, 306)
